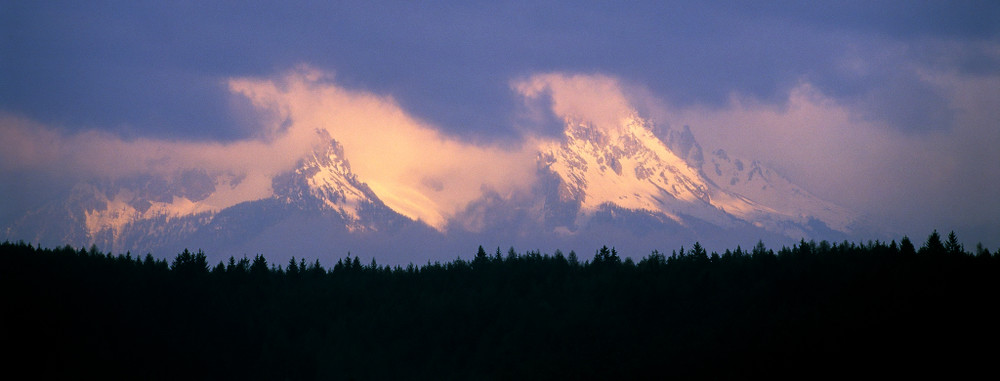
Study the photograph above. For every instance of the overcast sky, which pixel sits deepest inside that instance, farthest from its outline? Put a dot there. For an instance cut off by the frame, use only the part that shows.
(888, 108)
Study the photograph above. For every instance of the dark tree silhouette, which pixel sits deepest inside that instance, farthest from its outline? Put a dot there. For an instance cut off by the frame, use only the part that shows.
(933, 246)
(906, 247)
(836, 308)
(952, 247)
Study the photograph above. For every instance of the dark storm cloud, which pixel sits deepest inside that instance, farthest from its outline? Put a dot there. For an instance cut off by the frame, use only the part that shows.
(901, 19)
(158, 67)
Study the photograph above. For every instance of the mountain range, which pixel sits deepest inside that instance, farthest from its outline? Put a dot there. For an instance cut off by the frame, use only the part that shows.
(635, 186)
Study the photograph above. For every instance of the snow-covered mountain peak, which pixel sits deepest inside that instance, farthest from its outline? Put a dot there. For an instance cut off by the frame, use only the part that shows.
(628, 167)
(325, 175)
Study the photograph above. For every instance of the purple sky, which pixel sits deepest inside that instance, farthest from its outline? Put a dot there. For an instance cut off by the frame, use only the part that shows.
(889, 108)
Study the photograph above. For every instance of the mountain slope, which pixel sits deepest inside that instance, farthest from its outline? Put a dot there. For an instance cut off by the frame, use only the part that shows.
(636, 185)
(166, 214)
(323, 180)
(764, 185)
(628, 167)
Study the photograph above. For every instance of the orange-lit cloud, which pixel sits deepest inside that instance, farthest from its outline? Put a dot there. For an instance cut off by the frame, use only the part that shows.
(410, 165)
(93, 154)
(902, 180)
(828, 147)
(597, 99)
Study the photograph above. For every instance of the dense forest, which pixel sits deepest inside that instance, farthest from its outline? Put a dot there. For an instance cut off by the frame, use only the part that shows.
(810, 310)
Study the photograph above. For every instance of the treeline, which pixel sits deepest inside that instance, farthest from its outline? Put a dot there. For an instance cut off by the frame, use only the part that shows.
(813, 309)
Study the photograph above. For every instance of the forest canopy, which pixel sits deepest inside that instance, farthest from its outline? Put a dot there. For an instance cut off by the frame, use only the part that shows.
(834, 308)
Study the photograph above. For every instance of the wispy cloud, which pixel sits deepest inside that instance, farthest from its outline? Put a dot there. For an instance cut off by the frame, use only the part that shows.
(907, 182)
(92, 155)
(597, 99)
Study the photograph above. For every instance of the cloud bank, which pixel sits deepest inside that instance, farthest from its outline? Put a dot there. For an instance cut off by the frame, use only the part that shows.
(413, 167)
(942, 178)
(909, 183)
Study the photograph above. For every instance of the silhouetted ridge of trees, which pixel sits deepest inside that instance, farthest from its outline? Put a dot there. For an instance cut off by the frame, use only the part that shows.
(811, 310)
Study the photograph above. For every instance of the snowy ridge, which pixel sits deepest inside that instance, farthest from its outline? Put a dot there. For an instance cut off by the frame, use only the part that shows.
(112, 207)
(119, 213)
(325, 175)
(629, 167)
(758, 182)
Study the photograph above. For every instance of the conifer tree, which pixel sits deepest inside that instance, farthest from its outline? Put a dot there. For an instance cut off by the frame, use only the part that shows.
(760, 250)
(481, 256)
(698, 252)
(981, 251)
(952, 247)
(906, 247)
(933, 246)
(259, 266)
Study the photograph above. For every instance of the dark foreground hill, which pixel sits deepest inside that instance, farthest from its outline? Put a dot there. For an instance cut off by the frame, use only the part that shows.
(814, 310)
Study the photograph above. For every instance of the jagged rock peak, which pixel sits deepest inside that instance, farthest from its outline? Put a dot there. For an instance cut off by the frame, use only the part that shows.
(327, 153)
(323, 178)
(684, 145)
